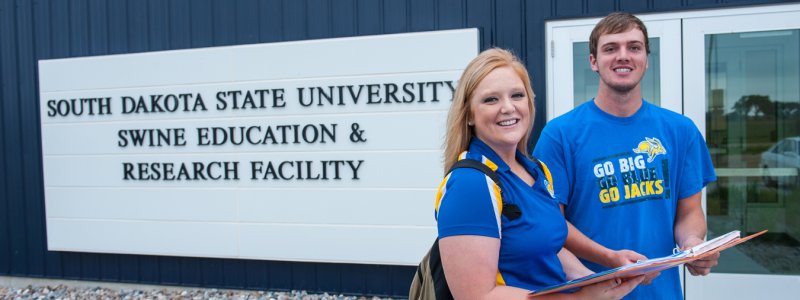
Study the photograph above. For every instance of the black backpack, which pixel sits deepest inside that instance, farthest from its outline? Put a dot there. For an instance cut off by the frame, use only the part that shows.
(429, 281)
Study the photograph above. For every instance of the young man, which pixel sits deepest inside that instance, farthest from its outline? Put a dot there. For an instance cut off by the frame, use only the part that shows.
(630, 174)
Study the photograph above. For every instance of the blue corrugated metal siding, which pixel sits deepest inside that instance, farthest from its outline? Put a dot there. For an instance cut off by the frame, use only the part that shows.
(5, 195)
(33, 30)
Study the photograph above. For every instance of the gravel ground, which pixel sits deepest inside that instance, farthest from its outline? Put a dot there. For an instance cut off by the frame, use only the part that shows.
(65, 292)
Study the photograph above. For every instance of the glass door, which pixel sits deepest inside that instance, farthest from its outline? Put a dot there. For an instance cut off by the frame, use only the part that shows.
(572, 81)
(742, 88)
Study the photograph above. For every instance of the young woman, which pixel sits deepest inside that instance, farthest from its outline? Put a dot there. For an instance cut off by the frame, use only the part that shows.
(485, 254)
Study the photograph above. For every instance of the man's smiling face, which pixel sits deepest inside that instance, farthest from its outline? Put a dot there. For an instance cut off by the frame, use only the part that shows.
(621, 60)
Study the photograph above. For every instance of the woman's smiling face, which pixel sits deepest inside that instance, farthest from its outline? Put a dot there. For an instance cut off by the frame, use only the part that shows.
(500, 110)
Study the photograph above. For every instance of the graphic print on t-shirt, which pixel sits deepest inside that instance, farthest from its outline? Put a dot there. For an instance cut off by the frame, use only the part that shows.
(650, 146)
(632, 177)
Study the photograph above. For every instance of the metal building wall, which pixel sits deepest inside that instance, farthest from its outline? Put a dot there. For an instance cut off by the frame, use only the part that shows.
(39, 29)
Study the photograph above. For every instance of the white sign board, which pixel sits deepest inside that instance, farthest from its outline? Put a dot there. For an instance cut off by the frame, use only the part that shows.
(323, 150)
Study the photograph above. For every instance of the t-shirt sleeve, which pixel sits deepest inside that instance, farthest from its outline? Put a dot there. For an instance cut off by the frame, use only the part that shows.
(550, 150)
(466, 207)
(697, 170)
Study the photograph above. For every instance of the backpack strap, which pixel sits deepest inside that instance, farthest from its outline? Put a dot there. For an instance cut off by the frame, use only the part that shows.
(510, 211)
(474, 164)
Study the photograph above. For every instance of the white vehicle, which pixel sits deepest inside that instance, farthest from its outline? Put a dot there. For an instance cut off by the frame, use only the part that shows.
(781, 162)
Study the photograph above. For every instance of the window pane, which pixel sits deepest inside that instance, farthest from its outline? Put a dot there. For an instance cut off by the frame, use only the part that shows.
(752, 117)
(585, 80)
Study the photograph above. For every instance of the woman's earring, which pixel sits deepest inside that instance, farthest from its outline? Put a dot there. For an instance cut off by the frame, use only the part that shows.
(470, 123)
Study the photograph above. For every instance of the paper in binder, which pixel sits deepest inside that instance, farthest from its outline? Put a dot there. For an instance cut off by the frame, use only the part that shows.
(678, 258)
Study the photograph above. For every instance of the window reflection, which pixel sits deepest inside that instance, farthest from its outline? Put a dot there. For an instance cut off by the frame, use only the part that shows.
(753, 133)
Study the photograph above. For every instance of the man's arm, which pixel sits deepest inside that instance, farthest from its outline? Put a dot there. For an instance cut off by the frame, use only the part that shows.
(690, 230)
(584, 247)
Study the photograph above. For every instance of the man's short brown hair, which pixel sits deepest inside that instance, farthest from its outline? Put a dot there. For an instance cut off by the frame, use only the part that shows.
(616, 22)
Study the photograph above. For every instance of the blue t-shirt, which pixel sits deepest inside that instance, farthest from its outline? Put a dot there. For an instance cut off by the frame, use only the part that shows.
(529, 244)
(620, 179)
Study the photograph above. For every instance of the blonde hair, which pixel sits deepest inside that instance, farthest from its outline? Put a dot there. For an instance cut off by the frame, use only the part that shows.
(458, 132)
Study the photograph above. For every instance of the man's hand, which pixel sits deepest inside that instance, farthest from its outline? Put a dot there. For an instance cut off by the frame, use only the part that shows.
(625, 257)
(622, 257)
(700, 267)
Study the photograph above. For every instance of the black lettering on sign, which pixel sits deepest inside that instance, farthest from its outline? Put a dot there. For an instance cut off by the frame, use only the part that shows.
(376, 93)
(250, 99)
(184, 171)
(267, 135)
(158, 103)
(305, 170)
(151, 137)
(79, 107)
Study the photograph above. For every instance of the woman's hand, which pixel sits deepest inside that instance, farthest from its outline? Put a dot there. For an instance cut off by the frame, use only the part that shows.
(573, 267)
(610, 289)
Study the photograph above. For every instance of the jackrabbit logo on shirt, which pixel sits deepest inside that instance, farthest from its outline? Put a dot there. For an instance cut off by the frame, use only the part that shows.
(650, 146)
(626, 176)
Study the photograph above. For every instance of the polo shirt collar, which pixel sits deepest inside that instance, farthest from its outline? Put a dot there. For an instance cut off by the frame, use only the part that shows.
(478, 146)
